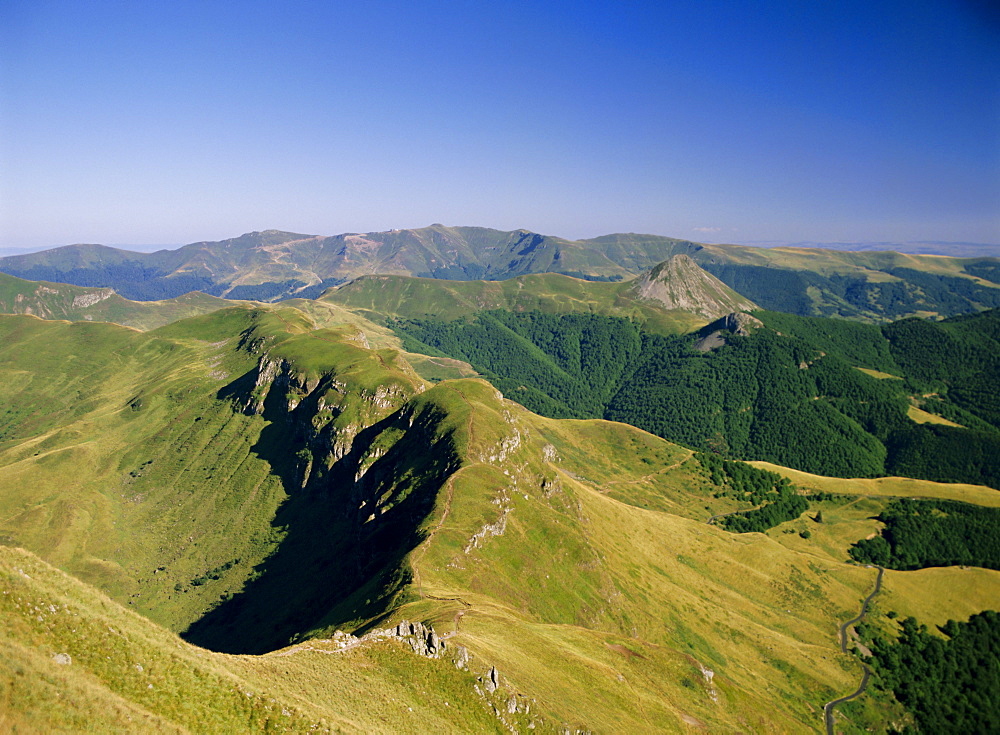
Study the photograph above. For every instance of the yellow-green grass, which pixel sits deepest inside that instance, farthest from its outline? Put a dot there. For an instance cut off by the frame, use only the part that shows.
(126, 470)
(939, 594)
(330, 314)
(838, 262)
(904, 487)
(586, 572)
(878, 374)
(573, 555)
(921, 416)
(633, 466)
(126, 674)
(841, 525)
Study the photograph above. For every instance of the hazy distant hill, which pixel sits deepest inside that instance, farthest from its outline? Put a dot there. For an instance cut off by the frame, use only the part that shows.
(273, 265)
(930, 247)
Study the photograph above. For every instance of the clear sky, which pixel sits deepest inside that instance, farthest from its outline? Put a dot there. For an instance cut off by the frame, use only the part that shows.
(150, 122)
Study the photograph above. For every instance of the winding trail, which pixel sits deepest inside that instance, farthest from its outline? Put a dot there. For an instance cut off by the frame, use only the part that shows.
(829, 706)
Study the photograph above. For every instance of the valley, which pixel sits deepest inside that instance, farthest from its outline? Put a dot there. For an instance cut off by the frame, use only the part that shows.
(225, 515)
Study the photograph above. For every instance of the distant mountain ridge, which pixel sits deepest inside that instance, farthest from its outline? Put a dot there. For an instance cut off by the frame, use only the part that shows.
(274, 265)
(949, 248)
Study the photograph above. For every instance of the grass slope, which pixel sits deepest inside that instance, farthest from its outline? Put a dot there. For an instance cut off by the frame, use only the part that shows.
(79, 303)
(250, 478)
(73, 660)
(418, 298)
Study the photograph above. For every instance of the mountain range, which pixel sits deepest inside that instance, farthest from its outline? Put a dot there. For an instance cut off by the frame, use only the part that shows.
(273, 265)
(644, 502)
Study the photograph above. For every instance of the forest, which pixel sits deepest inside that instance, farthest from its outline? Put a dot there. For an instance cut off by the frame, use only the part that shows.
(949, 685)
(933, 533)
(790, 393)
(773, 497)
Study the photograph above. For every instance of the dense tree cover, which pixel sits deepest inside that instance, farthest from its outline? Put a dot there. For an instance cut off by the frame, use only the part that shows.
(945, 454)
(767, 397)
(986, 268)
(773, 495)
(788, 507)
(933, 533)
(564, 366)
(945, 294)
(949, 685)
(790, 394)
(773, 288)
(849, 295)
(742, 481)
(958, 358)
(862, 345)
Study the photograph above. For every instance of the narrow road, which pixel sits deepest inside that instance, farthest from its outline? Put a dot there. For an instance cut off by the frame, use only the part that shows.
(829, 706)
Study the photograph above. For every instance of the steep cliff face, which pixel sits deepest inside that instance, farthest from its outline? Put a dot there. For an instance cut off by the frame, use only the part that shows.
(679, 283)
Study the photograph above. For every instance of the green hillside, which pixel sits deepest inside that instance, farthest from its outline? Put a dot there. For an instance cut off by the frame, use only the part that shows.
(74, 660)
(79, 303)
(253, 481)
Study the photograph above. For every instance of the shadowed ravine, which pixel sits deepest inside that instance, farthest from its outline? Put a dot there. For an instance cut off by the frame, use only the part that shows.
(334, 564)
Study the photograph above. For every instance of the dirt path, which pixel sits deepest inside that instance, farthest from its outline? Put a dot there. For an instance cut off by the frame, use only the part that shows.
(829, 706)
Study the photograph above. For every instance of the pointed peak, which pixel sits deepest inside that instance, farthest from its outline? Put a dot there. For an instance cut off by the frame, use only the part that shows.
(680, 283)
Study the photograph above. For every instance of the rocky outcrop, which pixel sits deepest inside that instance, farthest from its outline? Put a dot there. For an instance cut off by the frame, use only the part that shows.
(680, 283)
(421, 638)
(736, 324)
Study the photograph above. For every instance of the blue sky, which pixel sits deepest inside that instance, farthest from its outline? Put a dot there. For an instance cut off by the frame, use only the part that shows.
(131, 122)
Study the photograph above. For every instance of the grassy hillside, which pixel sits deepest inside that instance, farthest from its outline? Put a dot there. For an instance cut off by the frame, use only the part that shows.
(78, 303)
(73, 660)
(251, 480)
(420, 298)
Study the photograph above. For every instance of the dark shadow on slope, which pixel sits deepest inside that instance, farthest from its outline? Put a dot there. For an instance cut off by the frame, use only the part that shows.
(344, 539)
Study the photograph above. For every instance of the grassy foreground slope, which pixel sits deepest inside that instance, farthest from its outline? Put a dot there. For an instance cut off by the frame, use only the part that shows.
(73, 660)
(251, 481)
